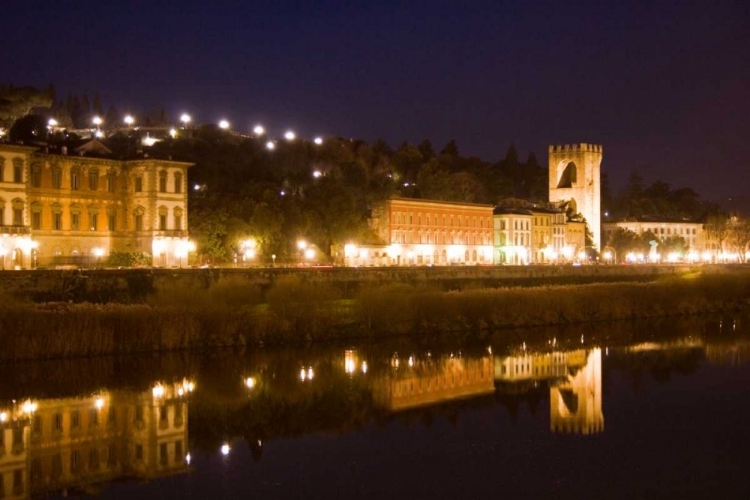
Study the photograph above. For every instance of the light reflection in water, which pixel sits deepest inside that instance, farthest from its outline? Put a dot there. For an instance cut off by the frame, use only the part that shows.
(114, 433)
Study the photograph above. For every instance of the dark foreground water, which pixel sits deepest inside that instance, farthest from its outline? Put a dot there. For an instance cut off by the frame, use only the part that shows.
(651, 410)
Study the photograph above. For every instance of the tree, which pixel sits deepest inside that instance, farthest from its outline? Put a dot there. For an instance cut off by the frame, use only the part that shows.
(716, 230)
(624, 242)
(738, 236)
(17, 102)
(450, 149)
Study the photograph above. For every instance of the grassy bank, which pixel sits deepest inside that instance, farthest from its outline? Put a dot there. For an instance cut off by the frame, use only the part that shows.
(233, 312)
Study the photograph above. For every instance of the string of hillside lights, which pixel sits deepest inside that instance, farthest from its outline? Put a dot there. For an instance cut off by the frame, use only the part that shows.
(259, 131)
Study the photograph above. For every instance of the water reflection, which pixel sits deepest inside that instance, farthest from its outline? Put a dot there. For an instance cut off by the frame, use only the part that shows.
(134, 424)
(77, 443)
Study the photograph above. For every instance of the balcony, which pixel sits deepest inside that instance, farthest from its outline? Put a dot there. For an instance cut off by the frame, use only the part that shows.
(15, 229)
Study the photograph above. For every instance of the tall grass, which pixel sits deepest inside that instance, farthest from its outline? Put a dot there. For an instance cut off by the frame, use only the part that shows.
(235, 312)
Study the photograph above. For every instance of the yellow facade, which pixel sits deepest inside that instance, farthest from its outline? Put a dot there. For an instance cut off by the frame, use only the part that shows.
(59, 209)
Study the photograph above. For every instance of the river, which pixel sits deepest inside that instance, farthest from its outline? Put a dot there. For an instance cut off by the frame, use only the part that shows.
(641, 410)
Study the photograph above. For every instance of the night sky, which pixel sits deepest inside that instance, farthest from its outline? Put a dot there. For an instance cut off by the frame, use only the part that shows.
(663, 86)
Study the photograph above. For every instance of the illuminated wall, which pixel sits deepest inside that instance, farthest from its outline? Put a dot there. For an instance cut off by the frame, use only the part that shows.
(79, 206)
(426, 232)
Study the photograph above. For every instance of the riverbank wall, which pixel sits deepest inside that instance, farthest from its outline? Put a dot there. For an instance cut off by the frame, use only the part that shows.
(133, 285)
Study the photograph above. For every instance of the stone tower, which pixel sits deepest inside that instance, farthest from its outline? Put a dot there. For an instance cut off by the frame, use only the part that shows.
(574, 176)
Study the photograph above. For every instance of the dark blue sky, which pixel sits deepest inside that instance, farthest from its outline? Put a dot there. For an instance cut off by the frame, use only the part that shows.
(664, 86)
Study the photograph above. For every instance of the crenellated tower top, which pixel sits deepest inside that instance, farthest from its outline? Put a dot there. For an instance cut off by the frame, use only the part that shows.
(593, 148)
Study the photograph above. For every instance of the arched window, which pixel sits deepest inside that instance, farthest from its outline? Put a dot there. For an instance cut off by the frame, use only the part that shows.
(17, 170)
(178, 183)
(56, 177)
(36, 215)
(57, 224)
(163, 181)
(111, 218)
(93, 179)
(75, 178)
(163, 211)
(75, 217)
(93, 217)
(36, 175)
(138, 218)
(178, 219)
(111, 181)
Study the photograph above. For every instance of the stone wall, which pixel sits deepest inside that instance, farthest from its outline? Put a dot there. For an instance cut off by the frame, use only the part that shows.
(127, 285)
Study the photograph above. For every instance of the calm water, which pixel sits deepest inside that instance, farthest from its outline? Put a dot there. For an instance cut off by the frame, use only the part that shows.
(649, 410)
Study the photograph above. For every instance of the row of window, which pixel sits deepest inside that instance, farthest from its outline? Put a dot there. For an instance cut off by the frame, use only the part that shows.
(76, 422)
(76, 221)
(94, 180)
(55, 468)
(404, 218)
(407, 237)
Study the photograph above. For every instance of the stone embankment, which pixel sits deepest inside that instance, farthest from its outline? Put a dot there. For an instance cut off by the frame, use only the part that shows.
(126, 285)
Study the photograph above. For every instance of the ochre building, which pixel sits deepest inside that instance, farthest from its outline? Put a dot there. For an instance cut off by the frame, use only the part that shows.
(76, 209)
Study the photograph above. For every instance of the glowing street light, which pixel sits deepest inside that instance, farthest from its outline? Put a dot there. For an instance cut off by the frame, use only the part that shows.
(318, 141)
(185, 119)
(248, 249)
(172, 133)
(98, 253)
(259, 130)
(223, 124)
(317, 174)
(270, 146)
(290, 135)
(51, 123)
(129, 120)
(96, 121)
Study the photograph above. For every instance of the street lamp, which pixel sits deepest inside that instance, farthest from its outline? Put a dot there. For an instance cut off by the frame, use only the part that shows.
(259, 130)
(185, 119)
(129, 120)
(610, 254)
(318, 141)
(301, 246)
(270, 146)
(223, 124)
(248, 249)
(98, 253)
(98, 122)
(290, 135)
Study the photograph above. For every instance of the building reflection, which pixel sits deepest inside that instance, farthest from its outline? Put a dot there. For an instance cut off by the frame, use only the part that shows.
(80, 443)
(575, 385)
(573, 377)
(428, 381)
